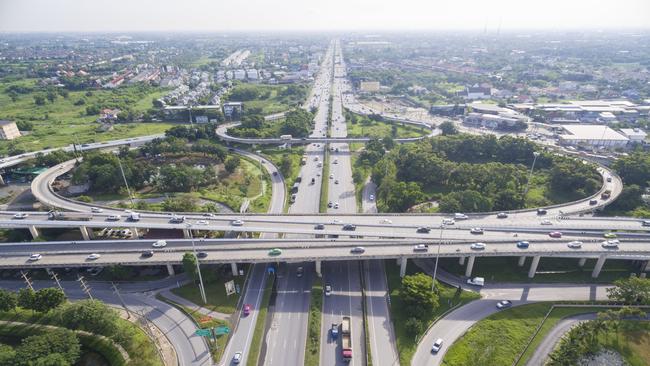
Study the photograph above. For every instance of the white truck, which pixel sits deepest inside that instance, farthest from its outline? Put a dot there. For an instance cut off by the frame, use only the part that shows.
(285, 137)
(476, 281)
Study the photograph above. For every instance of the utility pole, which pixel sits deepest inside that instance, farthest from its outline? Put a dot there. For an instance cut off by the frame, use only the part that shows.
(435, 268)
(530, 175)
(126, 184)
(55, 277)
(198, 266)
(28, 280)
(119, 296)
(84, 286)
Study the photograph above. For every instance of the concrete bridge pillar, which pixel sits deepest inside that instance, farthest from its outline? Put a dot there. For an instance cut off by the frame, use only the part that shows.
(85, 233)
(318, 269)
(533, 266)
(522, 261)
(233, 268)
(582, 262)
(646, 266)
(599, 266)
(2, 181)
(186, 233)
(402, 267)
(461, 261)
(136, 233)
(34, 231)
(470, 266)
(170, 270)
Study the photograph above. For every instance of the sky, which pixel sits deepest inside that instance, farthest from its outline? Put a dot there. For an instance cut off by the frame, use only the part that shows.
(282, 15)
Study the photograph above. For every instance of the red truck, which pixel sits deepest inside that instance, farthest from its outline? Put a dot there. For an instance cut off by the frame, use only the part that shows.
(346, 339)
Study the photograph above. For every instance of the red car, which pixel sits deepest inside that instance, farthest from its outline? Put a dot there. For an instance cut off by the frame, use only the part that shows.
(555, 234)
(247, 309)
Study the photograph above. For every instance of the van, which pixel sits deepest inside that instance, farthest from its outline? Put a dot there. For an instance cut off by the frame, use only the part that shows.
(476, 281)
(134, 216)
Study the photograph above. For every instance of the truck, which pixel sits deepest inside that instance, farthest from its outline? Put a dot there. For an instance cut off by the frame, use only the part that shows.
(346, 339)
(134, 216)
(285, 137)
(605, 195)
(476, 281)
(69, 216)
(334, 331)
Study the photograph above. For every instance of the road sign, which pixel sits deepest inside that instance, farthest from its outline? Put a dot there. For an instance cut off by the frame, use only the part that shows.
(221, 330)
(203, 333)
(230, 287)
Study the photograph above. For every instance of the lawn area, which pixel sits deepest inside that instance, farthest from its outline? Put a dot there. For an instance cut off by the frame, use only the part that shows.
(505, 269)
(324, 188)
(65, 121)
(215, 289)
(384, 129)
(269, 99)
(312, 348)
(258, 332)
(406, 343)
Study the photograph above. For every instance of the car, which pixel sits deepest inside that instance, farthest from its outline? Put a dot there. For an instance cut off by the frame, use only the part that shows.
(593, 202)
(541, 211)
(330, 204)
(147, 254)
(478, 246)
(460, 216)
(334, 331)
(275, 251)
(476, 230)
(313, 181)
(610, 235)
(448, 221)
(423, 230)
(202, 222)
(357, 250)
(177, 219)
(437, 345)
(96, 210)
(523, 244)
(319, 165)
(336, 205)
(420, 248)
(328, 290)
(504, 304)
(275, 174)
(93, 256)
(336, 181)
(610, 243)
(237, 357)
(237, 222)
(159, 244)
(555, 234)
(35, 257)
(349, 227)
(372, 197)
(319, 227)
(247, 309)
(20, 216)
(502, 215)
(645, 223)
(315, 158)
(385, 221)
(336, 161)
(114, 217)
(201, 255)
(331, 176)
(546, 222)
(300, 271)
(574, 244)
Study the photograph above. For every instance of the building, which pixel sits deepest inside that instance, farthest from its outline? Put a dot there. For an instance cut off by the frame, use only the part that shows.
(8, 130)
(233, 109)
(476, 92)
(636, 135)
(594, 136)
(369, 86)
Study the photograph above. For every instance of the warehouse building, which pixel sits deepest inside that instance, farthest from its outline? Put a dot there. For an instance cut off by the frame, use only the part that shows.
(592, 136)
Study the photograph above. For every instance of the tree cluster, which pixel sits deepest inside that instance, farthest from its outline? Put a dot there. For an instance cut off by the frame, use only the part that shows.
(52, 347)
(419, 300)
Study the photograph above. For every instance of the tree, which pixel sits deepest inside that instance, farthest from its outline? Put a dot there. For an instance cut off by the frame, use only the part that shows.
(58, 341)
(631, 290)
(232, 162)
(48, 298)
(89, 315)
(414, 326)
(39, 99)
(26, 298)
(417, 296)
(448, 128)
(7, 354)
(190, 265)
(286, 166)
(8, 300)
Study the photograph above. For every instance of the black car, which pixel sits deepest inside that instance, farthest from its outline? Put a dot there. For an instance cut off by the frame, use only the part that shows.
(147, 254)
(231, 149)
(349, 227)
(593, 202)
(541, 211)
(423, 230)
(201, 254)
(319, 227)
(275, 173)
(329, 204)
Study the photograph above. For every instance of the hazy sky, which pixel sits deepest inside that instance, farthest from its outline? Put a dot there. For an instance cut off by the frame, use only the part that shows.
(205, 15)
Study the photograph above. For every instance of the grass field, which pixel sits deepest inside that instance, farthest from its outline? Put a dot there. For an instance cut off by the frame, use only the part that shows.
(215, 290)
(384, 129)
(632, 343)
(406, 343)
(505, 269)
(272, 98)
(312, 348)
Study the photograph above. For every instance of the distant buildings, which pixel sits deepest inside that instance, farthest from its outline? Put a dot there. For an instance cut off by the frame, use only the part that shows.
(635, 135)
(494, 117)
(586, 111)
(476, 92)
(593, 136)
(108, 114)
(8, 130)
(369, 86)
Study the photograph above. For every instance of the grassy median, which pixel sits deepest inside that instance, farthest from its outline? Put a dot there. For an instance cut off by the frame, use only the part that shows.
(324, 189)
(312, 348)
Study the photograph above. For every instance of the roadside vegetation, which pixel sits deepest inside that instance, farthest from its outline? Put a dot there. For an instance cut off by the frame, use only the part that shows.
(376, 127)
(297, 123)
(268, 99)
(414, 307)
(288, 162)
(312, 351)
(634, 170)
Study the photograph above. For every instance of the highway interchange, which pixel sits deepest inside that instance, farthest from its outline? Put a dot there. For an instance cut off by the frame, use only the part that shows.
(383, 236)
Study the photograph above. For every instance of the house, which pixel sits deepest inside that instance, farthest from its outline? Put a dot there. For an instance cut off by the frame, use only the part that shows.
(107, 114)
(476, 92)
(233, 109)
(8, 130)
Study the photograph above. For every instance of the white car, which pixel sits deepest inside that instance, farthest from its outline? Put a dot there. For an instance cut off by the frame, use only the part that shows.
(574, 244)
(96, 210)
(328, 290)
(421, 248)
(372, 197)
(237, 223)
(476, 230)
(237, 358)
(478, 246)
(336, 205)
(202, 222)
(159, 244)
(546, 222)
(331, 176)
(93, 256)
(386, 221)
(35, 257)
(437, 345)
(20, 215)
(613, 243)
(336, 161)
(114, 217)
(460, 216)
(448, 222)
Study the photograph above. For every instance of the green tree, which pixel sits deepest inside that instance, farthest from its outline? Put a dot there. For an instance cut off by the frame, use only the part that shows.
(8, 300)
(7, 355)
(286, 166)
(631, 290)
(448, 128)
(417, 296)
(89, 315)
(190, 265)
(232, 162)
(39, 99)
(47, 299)
(414, 326)
(26, 298)
(58, 341)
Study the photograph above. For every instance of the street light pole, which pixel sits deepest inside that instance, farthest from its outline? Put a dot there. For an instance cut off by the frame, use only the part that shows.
(530, 175)
(435, 268)
(128, 190)
(198, 266)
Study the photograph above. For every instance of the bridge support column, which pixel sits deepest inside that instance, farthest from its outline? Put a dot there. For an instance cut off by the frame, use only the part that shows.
(470, 266)
(533, 266)
(461, 261)
(2, 181)
(599, 266)
(170, 270)
(233, 268)
(402, 267)
(522, 261)
(34, 231)
(582, 262)
(646, 266)
(85, 233)
(319, 271)
(136, 234)
(186, 233)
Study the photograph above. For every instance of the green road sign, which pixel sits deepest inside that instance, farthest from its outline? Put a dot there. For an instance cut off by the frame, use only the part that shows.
(203, 332)
(221, 330)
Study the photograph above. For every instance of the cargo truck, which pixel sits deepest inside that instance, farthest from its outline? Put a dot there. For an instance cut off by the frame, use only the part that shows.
(346, 339)
(69, 216)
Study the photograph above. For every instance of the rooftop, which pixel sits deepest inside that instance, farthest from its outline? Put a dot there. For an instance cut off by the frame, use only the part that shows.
(589, 132)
